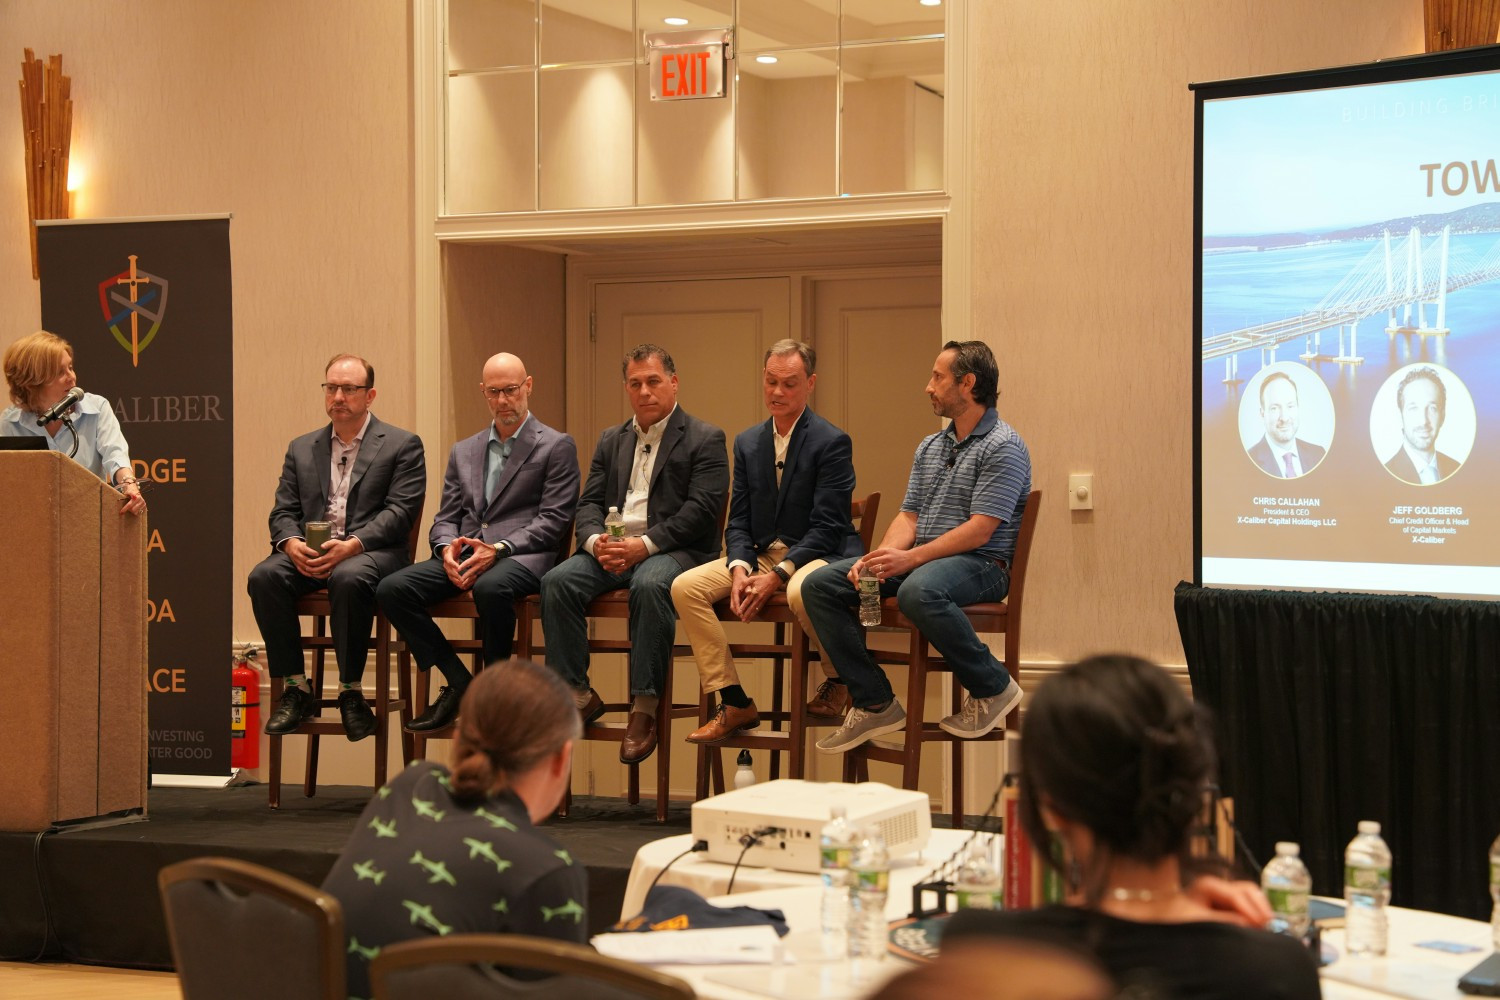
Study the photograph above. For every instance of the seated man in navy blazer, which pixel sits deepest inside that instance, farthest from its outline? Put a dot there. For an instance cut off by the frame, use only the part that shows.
(1281, 452)
(668, 474)
(367, 479)
(788, 515)
(508, 499)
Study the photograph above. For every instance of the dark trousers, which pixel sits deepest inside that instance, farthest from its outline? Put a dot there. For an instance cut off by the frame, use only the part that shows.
(275, 586)
(405, 597)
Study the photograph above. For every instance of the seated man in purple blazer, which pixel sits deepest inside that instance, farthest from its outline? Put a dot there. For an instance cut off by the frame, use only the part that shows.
(508, 499)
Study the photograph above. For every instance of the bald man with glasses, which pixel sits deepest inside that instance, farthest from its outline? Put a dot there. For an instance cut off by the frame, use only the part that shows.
(508, 500)
(365, 478)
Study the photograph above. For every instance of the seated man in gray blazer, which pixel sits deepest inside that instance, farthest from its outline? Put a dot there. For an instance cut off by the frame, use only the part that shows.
(367, 479)
(788, 515)
(668, 474)
(508, 498)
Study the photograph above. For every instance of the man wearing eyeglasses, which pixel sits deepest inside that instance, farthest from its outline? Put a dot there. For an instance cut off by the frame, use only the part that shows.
(950, 545)
(365, 478)
(668, 474)
(508, 498)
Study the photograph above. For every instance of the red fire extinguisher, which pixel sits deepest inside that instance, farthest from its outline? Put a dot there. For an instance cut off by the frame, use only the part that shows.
(244, 699)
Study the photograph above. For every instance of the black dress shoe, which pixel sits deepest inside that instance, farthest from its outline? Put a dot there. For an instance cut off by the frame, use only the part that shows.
(439, 714)
(358, 720)
(295, 707)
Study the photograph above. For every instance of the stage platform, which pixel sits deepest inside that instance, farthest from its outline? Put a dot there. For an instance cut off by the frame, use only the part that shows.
(91, 895)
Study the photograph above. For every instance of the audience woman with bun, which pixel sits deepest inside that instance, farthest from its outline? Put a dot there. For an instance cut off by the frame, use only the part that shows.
(440, 851)
(39, 374)
(1114, 765)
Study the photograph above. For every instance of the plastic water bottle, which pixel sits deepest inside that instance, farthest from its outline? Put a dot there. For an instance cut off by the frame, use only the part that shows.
(1367, 891)
(743, 776)
(1287, 886)
(869, 598)
(978, 886)
(1495, 892)
(614, 524)
(837, 843)
(872, 874)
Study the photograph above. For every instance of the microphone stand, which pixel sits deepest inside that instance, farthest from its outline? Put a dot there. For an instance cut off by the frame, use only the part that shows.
(68, 423)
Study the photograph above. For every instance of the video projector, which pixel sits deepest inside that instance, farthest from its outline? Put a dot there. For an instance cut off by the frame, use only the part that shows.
(797, 812)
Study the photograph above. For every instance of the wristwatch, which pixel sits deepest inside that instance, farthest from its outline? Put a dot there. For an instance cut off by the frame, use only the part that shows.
(780, 570)
(503, 549)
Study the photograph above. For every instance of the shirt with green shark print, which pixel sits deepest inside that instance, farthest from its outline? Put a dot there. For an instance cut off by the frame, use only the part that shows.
(420, 864)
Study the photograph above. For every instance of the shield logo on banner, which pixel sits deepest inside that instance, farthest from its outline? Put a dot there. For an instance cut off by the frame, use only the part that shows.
(129, 298)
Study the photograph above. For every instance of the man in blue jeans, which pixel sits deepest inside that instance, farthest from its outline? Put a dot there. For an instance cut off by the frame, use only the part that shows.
(950, 545)
(668, 474)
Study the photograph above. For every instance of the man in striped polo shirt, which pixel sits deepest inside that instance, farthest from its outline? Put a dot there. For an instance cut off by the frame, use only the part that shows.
(950, 545)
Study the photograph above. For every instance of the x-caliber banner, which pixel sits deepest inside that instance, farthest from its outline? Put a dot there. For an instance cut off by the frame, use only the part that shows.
(146, 305)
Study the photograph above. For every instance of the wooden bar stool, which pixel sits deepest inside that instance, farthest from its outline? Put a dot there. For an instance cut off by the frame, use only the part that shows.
(317, 606)
(986, 618)
(787, 645)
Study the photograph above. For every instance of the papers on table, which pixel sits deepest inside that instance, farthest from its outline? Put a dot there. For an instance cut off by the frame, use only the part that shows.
(708, 946)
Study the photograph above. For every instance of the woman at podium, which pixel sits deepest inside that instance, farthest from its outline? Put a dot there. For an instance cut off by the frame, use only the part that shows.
(39, 373)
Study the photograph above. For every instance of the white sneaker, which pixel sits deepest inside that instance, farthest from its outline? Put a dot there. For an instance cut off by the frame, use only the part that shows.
(861, 725)
(978, 716)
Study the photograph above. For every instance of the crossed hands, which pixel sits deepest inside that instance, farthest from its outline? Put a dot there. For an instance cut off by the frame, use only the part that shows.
(318, 565)
(749, 592)
(463, 572)
(618, 555)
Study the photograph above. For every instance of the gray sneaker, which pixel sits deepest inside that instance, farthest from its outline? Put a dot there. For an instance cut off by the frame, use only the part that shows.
(978, 716)
(861, 725)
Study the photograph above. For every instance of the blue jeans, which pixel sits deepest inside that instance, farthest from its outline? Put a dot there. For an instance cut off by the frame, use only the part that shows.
(567, 590)
(930, 596)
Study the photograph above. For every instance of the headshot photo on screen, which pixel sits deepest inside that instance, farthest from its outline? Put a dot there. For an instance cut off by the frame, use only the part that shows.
(1422, 424)
(1286, 420)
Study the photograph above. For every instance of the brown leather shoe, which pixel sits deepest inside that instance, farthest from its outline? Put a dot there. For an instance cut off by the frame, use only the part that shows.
(725, 723)
(831, 701)
(593, 708)
(640, 738)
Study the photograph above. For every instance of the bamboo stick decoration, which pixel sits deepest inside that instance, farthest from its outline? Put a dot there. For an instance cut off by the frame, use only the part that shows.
(47, 120)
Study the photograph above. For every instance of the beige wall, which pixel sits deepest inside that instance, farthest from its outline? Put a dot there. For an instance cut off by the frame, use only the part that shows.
(293, 116)
(1082, 200)
(500, 298)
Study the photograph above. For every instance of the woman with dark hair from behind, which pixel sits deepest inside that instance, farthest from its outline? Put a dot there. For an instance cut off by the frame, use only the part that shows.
(1115, 765)
(440, 852)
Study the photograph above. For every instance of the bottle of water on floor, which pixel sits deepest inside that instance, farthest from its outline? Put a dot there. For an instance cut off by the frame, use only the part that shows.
(744, 777)
(872, 872)
(869, 598)
(837, 845)
(978, 884)
(1495, 892)
(1287, 886)
(1367, 891)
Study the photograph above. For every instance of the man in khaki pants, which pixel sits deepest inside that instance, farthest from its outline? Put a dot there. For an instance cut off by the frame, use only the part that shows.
(788, 515)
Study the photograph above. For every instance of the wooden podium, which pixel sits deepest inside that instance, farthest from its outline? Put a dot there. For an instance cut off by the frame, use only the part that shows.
(73, 658)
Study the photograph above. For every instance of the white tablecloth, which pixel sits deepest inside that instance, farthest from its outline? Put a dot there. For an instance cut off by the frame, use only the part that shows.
(711, 878)
(1407, 970)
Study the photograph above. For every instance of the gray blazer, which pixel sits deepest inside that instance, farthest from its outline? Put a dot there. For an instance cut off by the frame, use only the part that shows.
(386, 489)
(535, 501)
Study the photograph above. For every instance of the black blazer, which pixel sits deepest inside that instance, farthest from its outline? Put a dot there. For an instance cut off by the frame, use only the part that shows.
(689, 481)
(810, 510)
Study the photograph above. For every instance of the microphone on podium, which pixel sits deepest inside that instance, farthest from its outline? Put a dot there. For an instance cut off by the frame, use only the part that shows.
(60, 407)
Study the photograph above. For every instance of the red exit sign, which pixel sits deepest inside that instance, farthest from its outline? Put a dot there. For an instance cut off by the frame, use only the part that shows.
(687, 65)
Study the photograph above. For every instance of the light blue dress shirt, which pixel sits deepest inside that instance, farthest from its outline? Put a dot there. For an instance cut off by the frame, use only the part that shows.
(101, 445)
